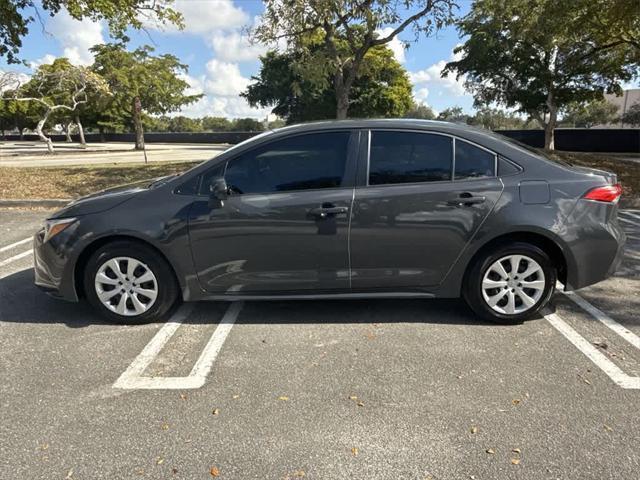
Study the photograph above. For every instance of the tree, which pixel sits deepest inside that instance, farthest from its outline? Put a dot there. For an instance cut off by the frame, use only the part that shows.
(420, 111)
(140, 84)
(381, 88)
(17, 115)
(58, 88)
(349, 29)
(453, 114)
(184, 124)
(536, 62)
(215, 124)
(496, 119)
(16, 15)
(586, 115)
(632, 116)
(247, 125)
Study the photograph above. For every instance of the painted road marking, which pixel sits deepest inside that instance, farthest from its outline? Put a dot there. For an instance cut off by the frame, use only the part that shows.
(16, 244)
(133, 378)
(605, 319)
(15, 257)
(598, 358)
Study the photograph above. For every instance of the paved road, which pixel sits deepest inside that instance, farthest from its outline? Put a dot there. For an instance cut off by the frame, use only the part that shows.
(33, 154)
(334, 389)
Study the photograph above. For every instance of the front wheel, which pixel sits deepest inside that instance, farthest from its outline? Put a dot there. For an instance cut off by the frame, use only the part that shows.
(511, 283)
(129, 283)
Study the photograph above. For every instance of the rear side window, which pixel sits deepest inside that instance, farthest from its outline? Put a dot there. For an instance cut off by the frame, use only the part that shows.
(303, 162)
(408, 157)
(473, 162)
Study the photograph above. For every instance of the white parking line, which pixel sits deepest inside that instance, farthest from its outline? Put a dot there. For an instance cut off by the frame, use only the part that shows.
(133, 377)
(15, 257)
(16, 244)
(633, 215)
(598, 358)
(605, 319)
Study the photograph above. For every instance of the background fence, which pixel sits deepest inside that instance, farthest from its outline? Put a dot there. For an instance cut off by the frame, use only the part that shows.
(569, 139)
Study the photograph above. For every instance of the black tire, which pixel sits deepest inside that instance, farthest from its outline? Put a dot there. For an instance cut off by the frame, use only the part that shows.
(472, 288)
(165, 282)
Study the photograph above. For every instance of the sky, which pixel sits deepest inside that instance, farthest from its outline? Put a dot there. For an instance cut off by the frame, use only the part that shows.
(221, 61)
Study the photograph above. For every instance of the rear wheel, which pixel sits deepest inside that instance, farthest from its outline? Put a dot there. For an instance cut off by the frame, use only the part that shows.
(511, 283)
(129, 283)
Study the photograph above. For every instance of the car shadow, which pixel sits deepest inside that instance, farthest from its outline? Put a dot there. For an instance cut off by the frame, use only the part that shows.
(22, 302)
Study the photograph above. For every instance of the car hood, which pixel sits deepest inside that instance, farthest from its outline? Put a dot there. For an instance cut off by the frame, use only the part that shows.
(106, 199)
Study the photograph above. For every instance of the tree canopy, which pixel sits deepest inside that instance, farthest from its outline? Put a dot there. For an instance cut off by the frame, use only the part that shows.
(589, 114)
(538, 56)
(17, 15)
(141, 83)
(381, 88)
(348, 30)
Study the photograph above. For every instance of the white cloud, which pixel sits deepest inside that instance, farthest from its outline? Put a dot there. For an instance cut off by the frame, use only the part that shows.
(75, 37)
(234, 47)
(221, 85)
(421, 95)
(431, 77)
(46, 60)
(204, 16)
(396, 46)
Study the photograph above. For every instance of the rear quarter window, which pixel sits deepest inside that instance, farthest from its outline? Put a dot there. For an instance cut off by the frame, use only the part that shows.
(473, 162)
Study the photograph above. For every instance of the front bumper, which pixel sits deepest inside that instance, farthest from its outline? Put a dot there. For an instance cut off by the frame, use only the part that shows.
(51, 267)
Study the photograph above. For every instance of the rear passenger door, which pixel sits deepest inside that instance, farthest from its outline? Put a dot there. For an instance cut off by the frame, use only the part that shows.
(418, 202)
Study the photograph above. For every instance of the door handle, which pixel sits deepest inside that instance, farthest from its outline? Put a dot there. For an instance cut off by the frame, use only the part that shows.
(324, 212)
(467, 199)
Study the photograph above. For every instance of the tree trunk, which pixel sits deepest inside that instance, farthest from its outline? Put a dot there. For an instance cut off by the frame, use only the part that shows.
(41, 134)
(342, 105)
(550, 126)
(101, 130)
(67, 132)
(80, 131)
(137, 123)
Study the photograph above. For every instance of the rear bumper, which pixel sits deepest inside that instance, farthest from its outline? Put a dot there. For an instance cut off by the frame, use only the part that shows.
(597, 250)
(51, 272)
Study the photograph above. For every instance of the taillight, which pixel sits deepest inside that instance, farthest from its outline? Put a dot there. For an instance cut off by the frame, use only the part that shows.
(608, 193)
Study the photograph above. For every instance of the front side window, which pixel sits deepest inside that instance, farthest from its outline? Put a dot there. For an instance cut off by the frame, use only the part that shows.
(473, 162)
(408, 157)
(303, 162)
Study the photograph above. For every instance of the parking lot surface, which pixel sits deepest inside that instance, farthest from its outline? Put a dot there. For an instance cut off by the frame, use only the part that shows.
(411, 389)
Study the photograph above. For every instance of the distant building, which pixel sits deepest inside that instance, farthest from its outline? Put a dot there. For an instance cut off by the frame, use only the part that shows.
(623, 102)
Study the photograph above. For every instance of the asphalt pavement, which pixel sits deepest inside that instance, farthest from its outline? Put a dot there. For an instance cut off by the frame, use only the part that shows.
(393, 389)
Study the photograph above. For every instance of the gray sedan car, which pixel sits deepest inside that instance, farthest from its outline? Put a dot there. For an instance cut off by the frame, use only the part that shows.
(349, 209)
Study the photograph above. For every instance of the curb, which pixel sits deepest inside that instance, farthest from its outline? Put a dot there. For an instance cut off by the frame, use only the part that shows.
(38, 202)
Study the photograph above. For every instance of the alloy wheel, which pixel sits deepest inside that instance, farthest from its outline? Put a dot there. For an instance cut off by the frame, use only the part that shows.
(513, 284)
(126, 286)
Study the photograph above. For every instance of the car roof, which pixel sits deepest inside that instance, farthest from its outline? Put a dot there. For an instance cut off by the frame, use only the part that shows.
(376, 123)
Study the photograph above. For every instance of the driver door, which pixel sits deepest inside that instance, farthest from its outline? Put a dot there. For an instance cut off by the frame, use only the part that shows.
(284, 226)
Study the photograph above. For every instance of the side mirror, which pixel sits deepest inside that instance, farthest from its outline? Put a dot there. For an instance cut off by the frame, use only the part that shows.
(219, 192)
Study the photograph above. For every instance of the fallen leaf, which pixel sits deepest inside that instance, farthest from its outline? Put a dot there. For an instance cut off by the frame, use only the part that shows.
(474, 429)
(602, 345)
(298, 474)
(174, 470)
(516, 401)
(70, 473)
(354, 451)
(140, 471)
(353, 397)
(183, 396)
(585, 380)
(45, 446)
(490, 451)
(608, 428)
(215, 411)
(214, 472)
(515, 461)
(236, 396)
(283, 398)
(159, 461)
(165, 426)
(459, 377)
(360, 404)
(516, 450)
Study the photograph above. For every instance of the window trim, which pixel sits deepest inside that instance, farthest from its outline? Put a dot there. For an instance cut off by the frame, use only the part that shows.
(453, 138)
(348, 175)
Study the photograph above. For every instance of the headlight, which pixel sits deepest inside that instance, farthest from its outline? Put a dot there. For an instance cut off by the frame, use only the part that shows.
(54, 227)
